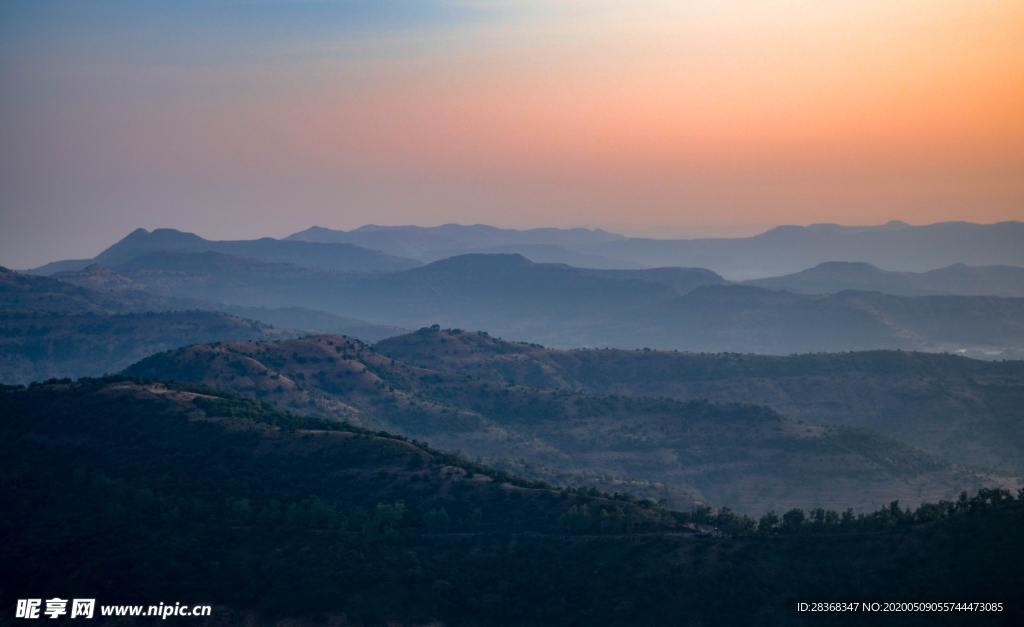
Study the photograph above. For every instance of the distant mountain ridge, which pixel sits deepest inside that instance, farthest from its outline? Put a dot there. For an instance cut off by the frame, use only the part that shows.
(782, 250)
(786, 249)
(543, 245)
(333, 257)
(432, 240)
(837, 276)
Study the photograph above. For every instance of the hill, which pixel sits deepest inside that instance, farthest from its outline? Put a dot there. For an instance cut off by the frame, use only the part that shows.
(35, 294)
(836, 276)
(36, 347)
(51, 328)
(321, 256)
(744, 456)
(965, 410)
(155, 491)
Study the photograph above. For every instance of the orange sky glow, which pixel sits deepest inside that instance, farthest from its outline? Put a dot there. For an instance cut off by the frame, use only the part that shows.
(654, 116)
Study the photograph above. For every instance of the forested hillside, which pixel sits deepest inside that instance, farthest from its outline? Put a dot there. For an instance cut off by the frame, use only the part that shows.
(968, 411)
(744, 456)
(130, 491)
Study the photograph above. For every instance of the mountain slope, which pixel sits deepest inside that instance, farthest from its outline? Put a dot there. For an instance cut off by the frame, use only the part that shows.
(960, 279)
(321, 256)
(35, 294)
(50, 328)
(744, 456)
(217, 282)
(968, 411)
(162, 492)
(310, 321)
(36, 347)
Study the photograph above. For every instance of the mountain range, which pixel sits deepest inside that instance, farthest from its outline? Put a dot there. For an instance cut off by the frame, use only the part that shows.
(782, 250)
(264, 445)
(895, 246)
(679, 308)
(321, 256)
(433, 243)
(958, 279)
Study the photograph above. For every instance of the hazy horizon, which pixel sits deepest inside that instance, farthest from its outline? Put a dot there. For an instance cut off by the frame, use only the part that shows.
(651, 233)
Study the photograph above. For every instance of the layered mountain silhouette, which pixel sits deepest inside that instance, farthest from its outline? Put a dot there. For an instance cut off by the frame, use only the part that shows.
(744, 456)
(448, 240)
(837, 276)
(786, 249)
(227, 440)
(681, 308)
(321, 256)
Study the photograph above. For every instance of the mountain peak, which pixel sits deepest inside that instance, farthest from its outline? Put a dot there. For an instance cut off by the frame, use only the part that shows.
(481, 261)
(845, 266)
(142, 240)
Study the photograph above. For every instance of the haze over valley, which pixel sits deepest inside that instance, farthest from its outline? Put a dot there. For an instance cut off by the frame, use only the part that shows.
(702, 415)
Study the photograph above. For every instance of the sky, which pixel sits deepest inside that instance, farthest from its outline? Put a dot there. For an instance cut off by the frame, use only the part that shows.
(664, 118)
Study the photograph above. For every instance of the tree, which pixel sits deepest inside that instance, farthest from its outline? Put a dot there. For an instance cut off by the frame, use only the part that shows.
(793, 520)
(768, 522)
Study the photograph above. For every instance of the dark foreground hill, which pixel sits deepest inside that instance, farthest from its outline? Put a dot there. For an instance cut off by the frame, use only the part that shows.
(132, 492)
(744, 456)
(965, 410)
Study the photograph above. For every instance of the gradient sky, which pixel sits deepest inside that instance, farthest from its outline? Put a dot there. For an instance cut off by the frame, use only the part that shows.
(244, 118)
